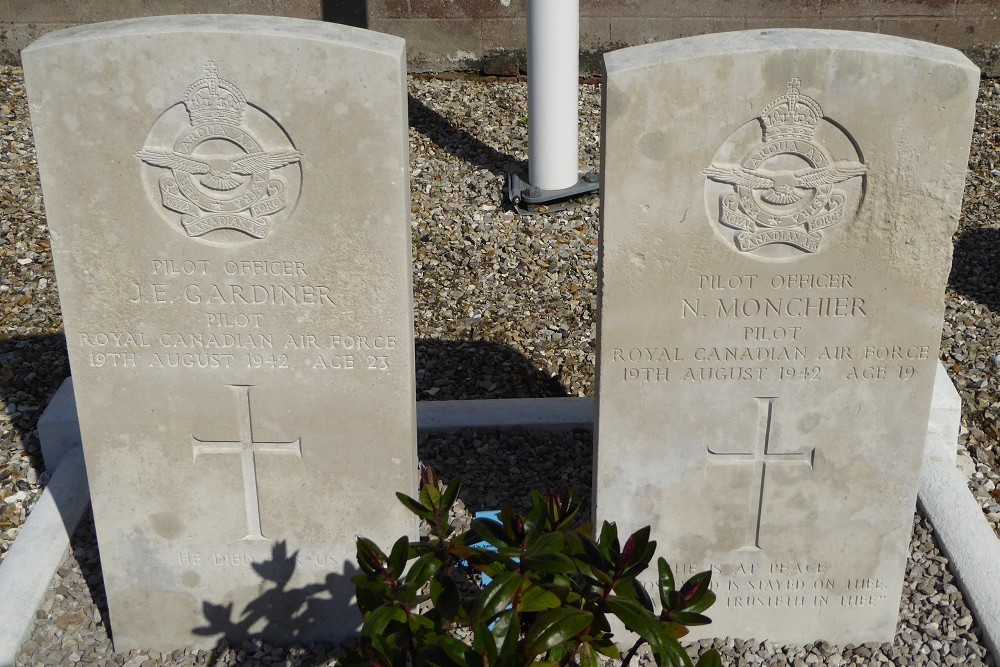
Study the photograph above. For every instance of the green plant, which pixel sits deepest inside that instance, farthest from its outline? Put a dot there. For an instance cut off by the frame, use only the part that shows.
(552, 590)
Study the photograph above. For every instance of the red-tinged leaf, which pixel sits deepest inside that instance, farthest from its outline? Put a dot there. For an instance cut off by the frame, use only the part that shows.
(370, 557)
(415, 506)
(675, 630)
(706, 601)
(710, 658)
(635, 546)
(555, 627)
(497, 596)
(694, 589)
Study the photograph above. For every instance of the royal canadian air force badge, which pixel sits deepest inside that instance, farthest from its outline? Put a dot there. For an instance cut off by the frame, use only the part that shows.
(785, 189)
(224, 175)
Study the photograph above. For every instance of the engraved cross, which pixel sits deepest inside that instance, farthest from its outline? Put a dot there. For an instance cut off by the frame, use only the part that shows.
(247, 448)
(760, 457)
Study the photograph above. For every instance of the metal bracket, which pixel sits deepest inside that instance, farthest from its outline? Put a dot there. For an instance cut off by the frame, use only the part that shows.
(528, 199)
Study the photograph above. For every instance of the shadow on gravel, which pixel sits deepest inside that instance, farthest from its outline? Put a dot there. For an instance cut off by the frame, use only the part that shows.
(460, 143)
(499, 467)
(475, 369)
(975, 270)
(280, 615)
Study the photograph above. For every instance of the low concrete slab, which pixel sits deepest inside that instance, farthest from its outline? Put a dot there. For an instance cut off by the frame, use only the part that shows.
(971, 546)
(39, 550)
(966, 538)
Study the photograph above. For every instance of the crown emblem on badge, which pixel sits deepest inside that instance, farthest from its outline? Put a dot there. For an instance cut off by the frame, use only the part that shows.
(791, 116)
(222, 175)
(214, 100)
(784, 189)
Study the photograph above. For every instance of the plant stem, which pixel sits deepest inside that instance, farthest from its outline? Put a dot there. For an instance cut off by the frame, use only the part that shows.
(632, 651)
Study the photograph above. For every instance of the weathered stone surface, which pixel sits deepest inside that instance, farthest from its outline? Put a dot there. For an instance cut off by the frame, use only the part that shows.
(228, 204)
(778, 213)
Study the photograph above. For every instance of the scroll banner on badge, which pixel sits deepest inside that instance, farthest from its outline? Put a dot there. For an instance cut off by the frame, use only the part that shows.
(272, 203)
(748, 241)
(196, 226)
(831, 217)
(174, 200)
(733, 217)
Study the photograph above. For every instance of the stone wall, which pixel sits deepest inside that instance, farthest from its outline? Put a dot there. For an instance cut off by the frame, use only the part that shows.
(468, 34)
(458, 34)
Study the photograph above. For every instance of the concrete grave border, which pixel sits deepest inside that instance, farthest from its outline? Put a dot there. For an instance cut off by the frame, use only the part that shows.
(973, 550)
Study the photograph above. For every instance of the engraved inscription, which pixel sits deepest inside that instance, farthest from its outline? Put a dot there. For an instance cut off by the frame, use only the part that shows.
(247, 448)
(783, 585)
(783, 189)
(222, 177)
(760, 457)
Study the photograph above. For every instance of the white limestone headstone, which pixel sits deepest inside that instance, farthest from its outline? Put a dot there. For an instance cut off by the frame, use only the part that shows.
(229, 210)
(777, 222)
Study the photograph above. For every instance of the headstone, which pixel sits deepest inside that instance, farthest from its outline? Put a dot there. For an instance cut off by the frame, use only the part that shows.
(778, 214)
(229, 210)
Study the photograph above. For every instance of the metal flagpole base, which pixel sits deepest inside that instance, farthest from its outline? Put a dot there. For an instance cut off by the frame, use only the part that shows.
(528, 199)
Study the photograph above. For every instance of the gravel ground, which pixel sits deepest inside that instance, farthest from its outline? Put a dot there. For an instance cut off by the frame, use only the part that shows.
(505, 307)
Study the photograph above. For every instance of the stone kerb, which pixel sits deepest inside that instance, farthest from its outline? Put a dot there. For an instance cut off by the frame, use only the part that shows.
(778, 209)
(228, 203)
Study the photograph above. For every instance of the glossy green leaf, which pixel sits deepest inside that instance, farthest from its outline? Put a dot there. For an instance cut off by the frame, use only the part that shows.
(377, 622)
(430, 496)
(606, 647)
(641, 595)
(644, 624)
(536, 598)
(608, 543)
(451, 493)
(549, 563)
(688, 618)
(398, 557)
(554, 627)
(423, 569)
(444, 595)
(710, 658)
(496, 596)
(490, 532)
(415, 506)
(589, 657)
(666, 581)
(547, 543)
(506, 631)
(484, 644)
